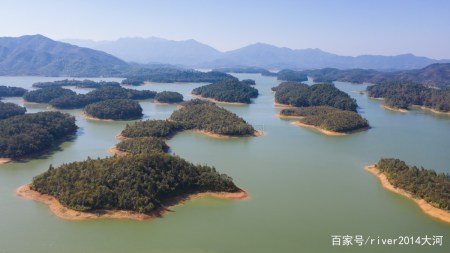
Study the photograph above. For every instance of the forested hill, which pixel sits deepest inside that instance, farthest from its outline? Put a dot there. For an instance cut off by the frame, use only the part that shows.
(39, 55)
(435, 75)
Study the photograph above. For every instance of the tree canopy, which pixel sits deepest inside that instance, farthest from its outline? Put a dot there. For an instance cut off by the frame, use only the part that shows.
(115, 109)
(292, 75)
(228, 91)
(302, 95)
(169, 97)
(10, 91)
(403, 95)
(33, 133)
(142, 145)
(152, 128)
(170, 75)
(45, 95)
(140, 183)
(8, 110)
(100, 94)
(421, 183)
(77, 83)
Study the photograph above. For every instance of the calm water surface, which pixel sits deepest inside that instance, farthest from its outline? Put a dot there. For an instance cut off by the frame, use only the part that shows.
(304, 186)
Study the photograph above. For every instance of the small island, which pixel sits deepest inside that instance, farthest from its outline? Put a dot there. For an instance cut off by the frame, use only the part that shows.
(168, 97)
(428, 189)
(229, 91)
(140, 187)
(75, 83)
(28, 135)
(100, 94)
(326, 119)
(172, 75)
(11, 91)
(140, 146)
(8, 110)
(292, 75)
(401, 96)
(45, 95)
(114, 109)
(206, 118)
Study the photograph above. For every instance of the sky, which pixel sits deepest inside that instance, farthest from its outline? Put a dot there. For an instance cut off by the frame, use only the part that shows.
(344, 27)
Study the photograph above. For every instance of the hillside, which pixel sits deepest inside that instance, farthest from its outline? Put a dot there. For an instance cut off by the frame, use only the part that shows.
(41, 56)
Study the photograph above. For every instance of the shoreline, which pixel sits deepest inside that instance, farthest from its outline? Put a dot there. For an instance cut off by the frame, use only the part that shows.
(163, 103)
(63, 212)
(278, 105)
(257, 133)
(393, 109)
(326, 132)
(427, 208)
(89, 117)
(216, 101)
(115, 151)
(430, 109)
(282, 116)
(5, 160)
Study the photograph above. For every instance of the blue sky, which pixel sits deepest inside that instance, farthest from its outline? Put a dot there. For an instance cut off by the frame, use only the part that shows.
(346, 27)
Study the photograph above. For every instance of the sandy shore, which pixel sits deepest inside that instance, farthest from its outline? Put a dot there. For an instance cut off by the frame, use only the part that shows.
(221, 136)
(162, 103)
(115, 151)
(278, 105)
(69, 214)
(86, 116)
(216, 101)
(281, 116)
(424, 206)
(393, 109)
(330, 133)
(430, 109)
(4, 160)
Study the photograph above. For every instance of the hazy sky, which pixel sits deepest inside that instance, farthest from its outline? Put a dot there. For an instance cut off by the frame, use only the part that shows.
(346, 27)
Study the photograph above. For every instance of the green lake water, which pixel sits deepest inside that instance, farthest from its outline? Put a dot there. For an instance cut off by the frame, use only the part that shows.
(304, 186)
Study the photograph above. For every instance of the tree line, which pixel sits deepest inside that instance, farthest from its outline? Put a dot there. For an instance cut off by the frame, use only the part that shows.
(227, 91)
(421, 183)
(11, 91)
(169, 97)
(143, 145)
(76, 83)
(29, 134)
(8, 110)
(115, 109)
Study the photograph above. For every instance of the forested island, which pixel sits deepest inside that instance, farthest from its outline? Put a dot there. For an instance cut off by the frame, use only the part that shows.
(11, 91)
(142, 145)
(230, 91)
(205, 117)
(76, 83)
(27, 135)
(168, 97)
(401, 95)
(302, 95)
(327, 118)
(8, 110)
(430, 190)
(99, 94)
(45, 95)
(248, 82)
(171, 75)
(291, 75)
(134, 186)
(250, 70)
(114, 109)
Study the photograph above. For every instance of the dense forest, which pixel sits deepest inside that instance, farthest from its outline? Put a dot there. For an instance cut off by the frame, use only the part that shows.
(115, 109)
(28, 134)
(152, 128)
(227, 91)
(250, 70)
(199, 116)
(170, 75)
(76, 83)
(142, 145)
(100, 94)
(8, 110)
(196, 101)
(292, 75)
(435, 75)
(212, 118)
(421, 183)
(140, 183)
(302, 95)
(403, 95)
(249, 81)
(338, 121)
(169, 97)
(45, 95)
(10, 91)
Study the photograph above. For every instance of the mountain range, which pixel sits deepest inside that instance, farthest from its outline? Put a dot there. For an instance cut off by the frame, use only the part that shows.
(191, 53)
(39, 55)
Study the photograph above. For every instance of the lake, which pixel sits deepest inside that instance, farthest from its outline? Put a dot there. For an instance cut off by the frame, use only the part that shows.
(304, 186)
